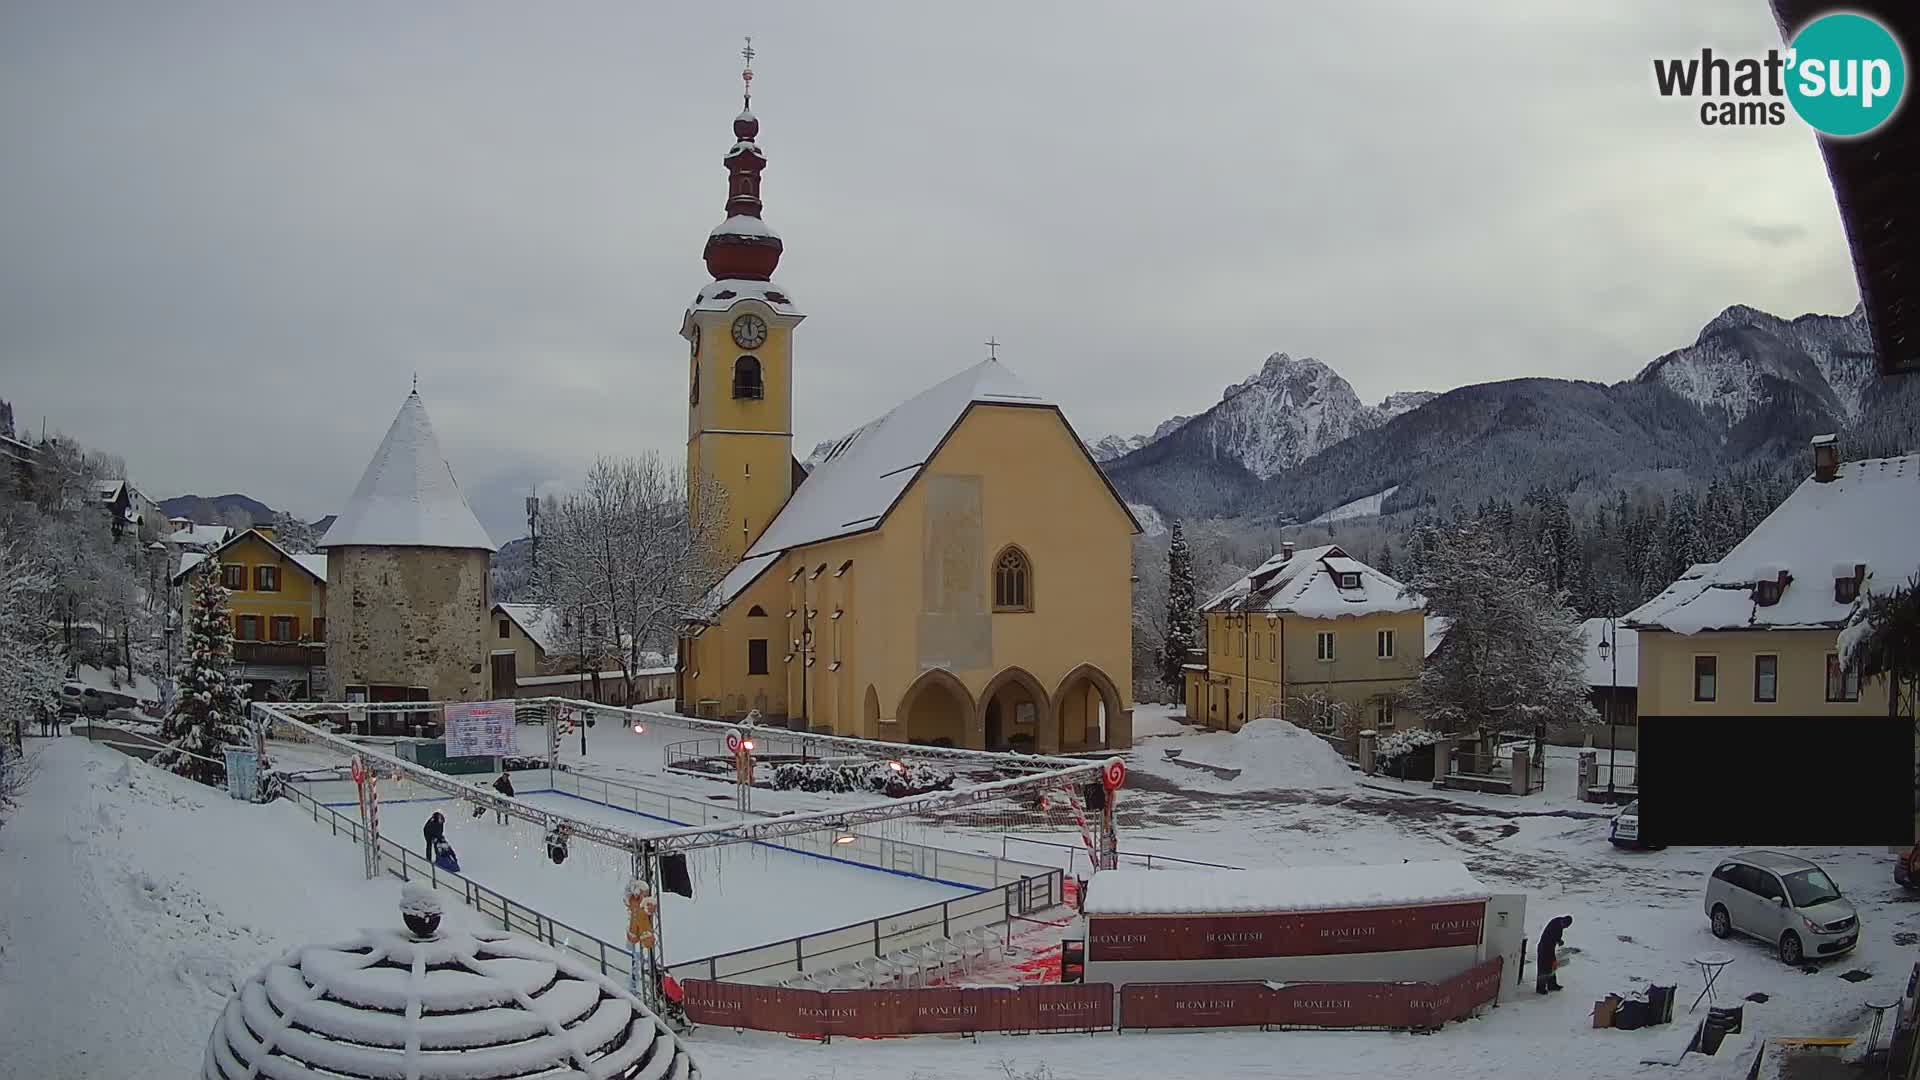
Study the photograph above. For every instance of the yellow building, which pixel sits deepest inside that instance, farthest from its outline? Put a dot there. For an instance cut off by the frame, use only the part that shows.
(955, 572)
(279, 605)
(1313, 637)
(1757, 633)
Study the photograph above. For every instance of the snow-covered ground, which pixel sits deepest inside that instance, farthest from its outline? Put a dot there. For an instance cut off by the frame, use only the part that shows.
(130, 900)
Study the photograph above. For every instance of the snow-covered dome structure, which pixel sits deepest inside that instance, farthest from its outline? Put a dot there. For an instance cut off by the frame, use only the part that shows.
(455, 1006)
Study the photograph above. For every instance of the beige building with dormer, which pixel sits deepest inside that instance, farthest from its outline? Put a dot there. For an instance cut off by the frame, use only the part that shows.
(957, 571)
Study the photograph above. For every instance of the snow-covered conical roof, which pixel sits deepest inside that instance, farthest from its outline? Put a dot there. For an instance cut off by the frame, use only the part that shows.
(387, 1004)
(408, 497)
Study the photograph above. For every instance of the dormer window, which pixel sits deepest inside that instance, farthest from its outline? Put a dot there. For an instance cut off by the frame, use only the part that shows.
(1846, 590)
(1766, 593)
(1349, 581)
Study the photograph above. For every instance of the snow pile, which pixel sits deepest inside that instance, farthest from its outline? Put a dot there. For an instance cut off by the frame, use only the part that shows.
(1272, 753)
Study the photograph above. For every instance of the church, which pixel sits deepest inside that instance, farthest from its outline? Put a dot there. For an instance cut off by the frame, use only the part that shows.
(956, 572)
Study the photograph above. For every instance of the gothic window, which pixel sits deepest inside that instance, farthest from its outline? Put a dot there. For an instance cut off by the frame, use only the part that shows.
(756, 612)
(1012, 581)
(746, 378)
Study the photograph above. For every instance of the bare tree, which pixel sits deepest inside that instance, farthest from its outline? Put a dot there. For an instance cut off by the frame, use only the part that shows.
(292, 533)
(623, 565)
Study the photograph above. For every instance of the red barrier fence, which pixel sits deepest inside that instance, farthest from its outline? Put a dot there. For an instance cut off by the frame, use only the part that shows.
(1307, 933)
(1055, 1007)
(1321, 1005)
(938, 1010)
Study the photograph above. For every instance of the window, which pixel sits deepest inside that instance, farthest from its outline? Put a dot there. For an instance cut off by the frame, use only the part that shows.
(504, 631)
(319, 628)
(1383, 713)
(1766, 593)
(1323, 645)
(746, 378)
(693, 393)
(1766, 678)
(1383, 640)
(757, 656)
(1273, 648)
(1842, 684)
(266, 579)
(1846, 590)
(1349, 581)
(1012, 581)
(233, 575)
(756, 612)
(1706, 671)
(284, 628)
(246, 627)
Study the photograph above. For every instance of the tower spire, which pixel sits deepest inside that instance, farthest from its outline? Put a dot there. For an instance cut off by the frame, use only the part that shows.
(744, 246)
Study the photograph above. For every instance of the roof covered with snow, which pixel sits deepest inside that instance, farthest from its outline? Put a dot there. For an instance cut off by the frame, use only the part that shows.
(1436, 628)
(408, 496)
(202, 537)
(452, 1006)
(1868, 514)
(1139, 891)
(537, 621)
(1601, 670)
(312, 562)
(1307, 583)
(744, 573)
(742, 225)
(726, 292)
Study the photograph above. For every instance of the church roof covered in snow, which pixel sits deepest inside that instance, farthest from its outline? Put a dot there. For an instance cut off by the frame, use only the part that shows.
(455, 1005)
(1139, 891)
(1867, 516)
(1307, 583)
(408, 497)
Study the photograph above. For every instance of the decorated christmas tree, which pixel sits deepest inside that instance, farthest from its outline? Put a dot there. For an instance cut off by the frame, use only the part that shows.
(209, 711)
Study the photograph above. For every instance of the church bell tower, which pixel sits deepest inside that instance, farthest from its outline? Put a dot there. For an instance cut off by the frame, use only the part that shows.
(739, 333)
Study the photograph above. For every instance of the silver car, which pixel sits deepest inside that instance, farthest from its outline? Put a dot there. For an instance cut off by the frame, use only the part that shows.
(1783, 900)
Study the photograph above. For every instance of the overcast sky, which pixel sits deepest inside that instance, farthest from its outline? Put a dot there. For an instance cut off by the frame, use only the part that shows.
(231, 233)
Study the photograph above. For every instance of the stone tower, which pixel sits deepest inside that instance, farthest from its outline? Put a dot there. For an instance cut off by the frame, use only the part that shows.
(739, 333)
(407, 564)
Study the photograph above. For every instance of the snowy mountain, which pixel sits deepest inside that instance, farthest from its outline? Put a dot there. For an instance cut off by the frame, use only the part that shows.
(1747, 362)
(1115, 446)
(1294, 444)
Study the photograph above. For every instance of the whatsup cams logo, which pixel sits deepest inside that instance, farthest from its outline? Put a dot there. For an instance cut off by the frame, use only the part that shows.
(1843, 73)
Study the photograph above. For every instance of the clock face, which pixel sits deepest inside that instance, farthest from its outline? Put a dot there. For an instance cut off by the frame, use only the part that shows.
(695, 339)
(749, 332)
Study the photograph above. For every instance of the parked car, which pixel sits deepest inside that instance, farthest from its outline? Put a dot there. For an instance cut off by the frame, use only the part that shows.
(1906, 869)
(1784, 900)
(72, 695)
(1624, 830)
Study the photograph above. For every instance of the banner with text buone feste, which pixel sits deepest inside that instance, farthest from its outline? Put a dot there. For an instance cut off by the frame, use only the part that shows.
(1306, 933)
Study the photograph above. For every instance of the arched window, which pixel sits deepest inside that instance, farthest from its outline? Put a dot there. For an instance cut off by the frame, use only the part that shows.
(746, 378)
(756, 612)
(1012, 581)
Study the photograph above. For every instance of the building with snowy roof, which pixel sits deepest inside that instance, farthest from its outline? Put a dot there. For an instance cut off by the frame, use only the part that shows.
(278, 600)
(1317, 638)
(956, 571)
(1757, 633)
(407, 565)
(444, 1005)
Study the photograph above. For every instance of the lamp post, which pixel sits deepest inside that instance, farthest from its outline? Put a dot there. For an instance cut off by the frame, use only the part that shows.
(1610, 651)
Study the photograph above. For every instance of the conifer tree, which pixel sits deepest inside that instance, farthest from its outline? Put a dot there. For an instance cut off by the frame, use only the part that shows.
(209, 712)
(1181, 602)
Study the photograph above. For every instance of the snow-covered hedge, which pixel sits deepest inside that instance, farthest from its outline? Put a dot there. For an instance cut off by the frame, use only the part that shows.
(876, 776)
(1399, 743)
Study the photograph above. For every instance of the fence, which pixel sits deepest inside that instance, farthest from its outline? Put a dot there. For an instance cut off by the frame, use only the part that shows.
(1006, 889)
(1486, 765)
(1092, 1007)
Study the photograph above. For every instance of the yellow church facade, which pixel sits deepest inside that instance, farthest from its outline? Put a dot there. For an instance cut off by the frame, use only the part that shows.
(956, 572)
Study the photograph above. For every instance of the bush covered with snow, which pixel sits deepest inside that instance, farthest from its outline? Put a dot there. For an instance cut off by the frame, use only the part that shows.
(1272, 753)
(1400, 743)
(879, 777)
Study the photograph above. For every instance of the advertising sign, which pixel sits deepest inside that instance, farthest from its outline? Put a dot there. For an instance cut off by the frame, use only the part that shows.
(480, 729)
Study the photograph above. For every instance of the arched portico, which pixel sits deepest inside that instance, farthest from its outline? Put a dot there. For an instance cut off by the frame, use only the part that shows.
(1013, 707)
(937, 710)
(1086, 710)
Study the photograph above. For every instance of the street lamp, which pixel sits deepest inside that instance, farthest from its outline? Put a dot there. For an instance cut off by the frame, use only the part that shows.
(1610, 652)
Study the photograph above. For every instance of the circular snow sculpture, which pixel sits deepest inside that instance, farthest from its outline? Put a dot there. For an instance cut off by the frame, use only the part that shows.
(388, 1004)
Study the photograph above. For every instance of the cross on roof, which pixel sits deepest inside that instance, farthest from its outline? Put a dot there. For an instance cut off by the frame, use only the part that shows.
(746, 74)
(993, 349)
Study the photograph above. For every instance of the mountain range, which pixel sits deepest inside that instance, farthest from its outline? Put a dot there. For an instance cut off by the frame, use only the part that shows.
(1294, 443)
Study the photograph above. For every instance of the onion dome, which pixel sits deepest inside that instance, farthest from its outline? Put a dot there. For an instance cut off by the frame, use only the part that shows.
(390, 1004)
(744, 247)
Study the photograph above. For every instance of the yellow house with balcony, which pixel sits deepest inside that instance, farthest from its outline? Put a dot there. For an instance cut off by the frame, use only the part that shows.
(1314, 637)
(278, 600)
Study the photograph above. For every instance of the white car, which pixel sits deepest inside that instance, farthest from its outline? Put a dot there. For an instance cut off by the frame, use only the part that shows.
(1624, 830)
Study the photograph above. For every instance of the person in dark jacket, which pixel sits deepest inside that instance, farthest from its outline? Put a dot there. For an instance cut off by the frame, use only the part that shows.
(1549, 951)
(504, 786)
(434, 832)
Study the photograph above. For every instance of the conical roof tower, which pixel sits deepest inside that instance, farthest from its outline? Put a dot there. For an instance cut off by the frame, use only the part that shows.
(408, 496)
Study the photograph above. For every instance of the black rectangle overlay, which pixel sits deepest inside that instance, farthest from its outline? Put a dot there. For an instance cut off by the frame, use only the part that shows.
(1775, 781)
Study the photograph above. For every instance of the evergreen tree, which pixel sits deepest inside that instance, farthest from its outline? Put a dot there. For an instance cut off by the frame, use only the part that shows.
(209, 711)
(1386, 559)
(1181, 605)
(1513, 656)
